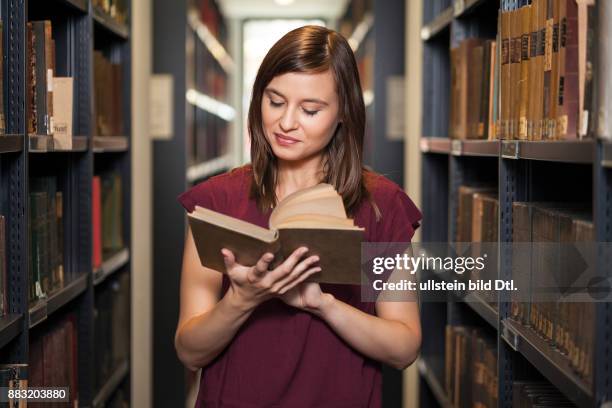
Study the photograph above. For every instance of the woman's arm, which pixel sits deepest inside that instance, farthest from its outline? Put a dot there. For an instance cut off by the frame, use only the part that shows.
(393, 337)
(206, 325)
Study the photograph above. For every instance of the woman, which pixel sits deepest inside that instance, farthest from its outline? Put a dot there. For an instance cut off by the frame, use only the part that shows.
(265, 337)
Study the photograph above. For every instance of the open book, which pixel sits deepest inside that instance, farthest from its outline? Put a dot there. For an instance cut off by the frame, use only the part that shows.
(313, 217)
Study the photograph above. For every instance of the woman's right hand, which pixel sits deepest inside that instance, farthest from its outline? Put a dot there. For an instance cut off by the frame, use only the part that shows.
(252, 285)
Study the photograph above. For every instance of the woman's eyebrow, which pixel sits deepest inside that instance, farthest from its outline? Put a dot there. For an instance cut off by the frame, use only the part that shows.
(313, 100)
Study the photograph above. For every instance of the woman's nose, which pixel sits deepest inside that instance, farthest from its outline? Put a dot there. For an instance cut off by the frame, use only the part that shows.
(288, 120)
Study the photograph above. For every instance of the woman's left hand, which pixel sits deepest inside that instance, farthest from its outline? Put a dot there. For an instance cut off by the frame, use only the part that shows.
(306, 296)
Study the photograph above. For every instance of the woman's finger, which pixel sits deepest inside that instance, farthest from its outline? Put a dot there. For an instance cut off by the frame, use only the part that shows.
(296, 272)
(228, 258)
(287, 266)
(299, 280)
(261, 268)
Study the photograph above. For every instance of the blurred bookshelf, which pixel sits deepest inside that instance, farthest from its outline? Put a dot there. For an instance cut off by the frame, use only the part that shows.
(53, 224)
(495, 166)
(202, 145)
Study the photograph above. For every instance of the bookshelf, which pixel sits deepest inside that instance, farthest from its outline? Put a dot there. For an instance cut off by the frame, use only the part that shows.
(563, 171)
(79, 27)
(201, 146)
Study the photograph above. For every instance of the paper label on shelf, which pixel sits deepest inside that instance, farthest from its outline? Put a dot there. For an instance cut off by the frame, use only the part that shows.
(161, 108)
(395, 108)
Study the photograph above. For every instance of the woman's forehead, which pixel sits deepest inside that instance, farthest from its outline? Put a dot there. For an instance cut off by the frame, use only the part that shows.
(299, 85)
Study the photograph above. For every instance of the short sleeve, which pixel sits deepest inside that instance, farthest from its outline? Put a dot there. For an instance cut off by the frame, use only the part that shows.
(400, 220)
(204, 194)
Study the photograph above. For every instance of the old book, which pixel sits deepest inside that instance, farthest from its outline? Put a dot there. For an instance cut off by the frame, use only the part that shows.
(539, 70)
(112, 214)
(2, 117)
(568, 101)
(313, 217)
(31, 80)
(548, 57)
(39, 247)
(62, 113)
(521, 259)
(515, 71)
(50, 70)
(524, 77)
(532, 75)
(476, 81)
(3, 263)
(554, 88)
(493, 89)
(96, 215)
(505, 75)
(42, 115)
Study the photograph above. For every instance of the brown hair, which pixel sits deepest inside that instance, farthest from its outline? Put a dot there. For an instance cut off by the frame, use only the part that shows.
(313, 49)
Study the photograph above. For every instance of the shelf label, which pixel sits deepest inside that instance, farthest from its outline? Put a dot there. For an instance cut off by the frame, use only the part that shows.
(161, 106)
(425, 33)
(458, 7)
(510, 149)
(511, 336)
(456, 147)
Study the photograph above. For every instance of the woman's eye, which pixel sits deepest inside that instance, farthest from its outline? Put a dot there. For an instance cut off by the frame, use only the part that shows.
(275, 104)
(310, 113)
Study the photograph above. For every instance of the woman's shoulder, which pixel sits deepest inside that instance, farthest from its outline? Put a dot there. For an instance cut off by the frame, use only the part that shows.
(393, 205)
(217, 191)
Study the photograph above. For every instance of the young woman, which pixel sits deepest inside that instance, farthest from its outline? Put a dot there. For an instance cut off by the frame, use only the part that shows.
(264, 337)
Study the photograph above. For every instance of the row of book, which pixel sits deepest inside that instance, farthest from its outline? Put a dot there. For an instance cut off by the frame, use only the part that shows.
(209, 77)
(472, 66)
(54, 360)
(112, 326)
(470, 371)
(537, 394)
(46, 237)
(108, 90)
(117, 9)
(546, 72)
(210, 137)
(49, 98)
(477, 222)
(211, 16)
(107, 216)
(3, 268)
(567, 326)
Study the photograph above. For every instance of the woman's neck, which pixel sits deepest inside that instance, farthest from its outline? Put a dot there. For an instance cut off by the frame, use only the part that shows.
(297, 175)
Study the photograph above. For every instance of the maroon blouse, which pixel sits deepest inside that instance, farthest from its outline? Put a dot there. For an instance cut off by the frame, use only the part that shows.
(285, 357)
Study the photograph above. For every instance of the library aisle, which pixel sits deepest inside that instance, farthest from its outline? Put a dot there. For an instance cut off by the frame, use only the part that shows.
(494, 116)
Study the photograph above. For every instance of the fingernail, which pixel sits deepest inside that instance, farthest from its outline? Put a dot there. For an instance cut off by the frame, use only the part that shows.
(315, 259)
(268, 257)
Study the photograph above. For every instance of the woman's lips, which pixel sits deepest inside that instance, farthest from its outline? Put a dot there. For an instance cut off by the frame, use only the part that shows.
(285, 140)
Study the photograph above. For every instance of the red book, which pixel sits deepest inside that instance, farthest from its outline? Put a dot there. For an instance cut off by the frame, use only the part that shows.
(96, 214)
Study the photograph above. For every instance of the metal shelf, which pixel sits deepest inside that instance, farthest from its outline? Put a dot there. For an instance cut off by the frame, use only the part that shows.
(436, 388)
(435, 145)
(111, 384)
(606, 159)
(111, 25)
(46, 144)
(208, 168)
(210, 41)
(552, 364)
(106, 144)
(111, 265)
(11, 143)
(10, 327)
(44, 307)
(80, 5)
(438, 24)
(485, 310)
(565, 151)
(463, 7)
(488, 148)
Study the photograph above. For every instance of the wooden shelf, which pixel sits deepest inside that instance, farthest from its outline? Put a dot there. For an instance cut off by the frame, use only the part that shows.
(44, 307)
(111, 265)
(435, 145)
(106, 144)
(438, 24)
(565, 151)
(46, 144)
(434, 385)
(11, 143)
(111, 384)
(10, 327)
(105, 21)
(554, 366)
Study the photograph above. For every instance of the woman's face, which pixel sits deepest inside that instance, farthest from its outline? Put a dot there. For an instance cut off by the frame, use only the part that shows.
(300, 114)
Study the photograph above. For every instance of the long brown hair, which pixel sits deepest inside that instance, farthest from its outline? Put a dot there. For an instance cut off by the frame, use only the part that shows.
(313, 49)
